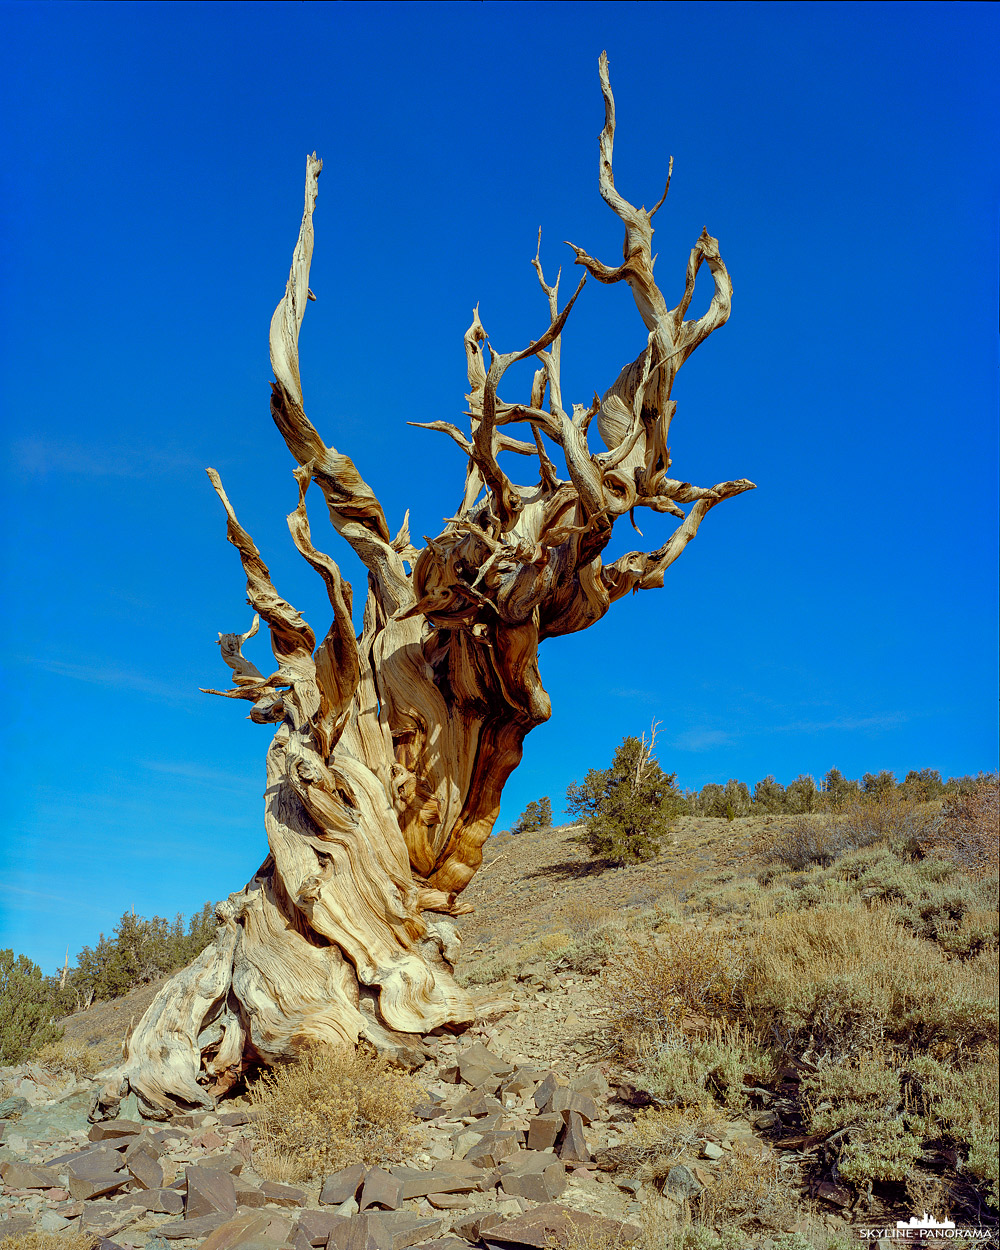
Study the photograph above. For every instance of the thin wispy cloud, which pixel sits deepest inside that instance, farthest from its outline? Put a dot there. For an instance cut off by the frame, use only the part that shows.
(856, 724)
(634, 693)
(701, 739)
(113, 677)
(40, 456)
(215, 777)
(25, 898)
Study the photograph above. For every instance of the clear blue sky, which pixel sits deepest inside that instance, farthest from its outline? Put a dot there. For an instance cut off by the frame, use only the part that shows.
(845, 155)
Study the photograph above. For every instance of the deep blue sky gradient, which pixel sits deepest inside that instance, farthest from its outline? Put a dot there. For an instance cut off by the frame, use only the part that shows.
(843, 614)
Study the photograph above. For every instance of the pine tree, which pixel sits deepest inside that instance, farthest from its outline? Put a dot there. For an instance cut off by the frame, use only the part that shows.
(736, 797)
(27, 1008)
(712, 800)
(878, 785)
(838, 788)
(769, 796)
(802, 795)
(629, 806)
(922, 785)
(537, 815)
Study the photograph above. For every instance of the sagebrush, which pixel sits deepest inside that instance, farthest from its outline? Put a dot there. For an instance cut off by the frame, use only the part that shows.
(330, 1108)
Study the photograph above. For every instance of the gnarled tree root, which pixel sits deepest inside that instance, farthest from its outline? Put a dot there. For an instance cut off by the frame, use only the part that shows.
(265, 987)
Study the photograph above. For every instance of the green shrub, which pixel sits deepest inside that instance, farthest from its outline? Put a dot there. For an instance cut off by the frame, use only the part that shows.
(769, 797)
(887, 817)
(846, 977)
(139, 951)
(862, 1100)
(696, 1072)
(959, 1105)
(806, 841)
(27, 1008)
(629, 807)
(968, 832)
(537, 815)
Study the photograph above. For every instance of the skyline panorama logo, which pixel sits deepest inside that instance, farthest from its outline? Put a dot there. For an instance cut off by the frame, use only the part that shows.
(925, 1228)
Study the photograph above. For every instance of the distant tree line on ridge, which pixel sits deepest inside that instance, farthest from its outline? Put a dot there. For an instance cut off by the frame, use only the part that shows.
(139, 951)
(803, 796)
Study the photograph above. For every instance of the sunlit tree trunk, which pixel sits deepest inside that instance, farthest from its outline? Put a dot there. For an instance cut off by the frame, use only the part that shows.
(392, 749)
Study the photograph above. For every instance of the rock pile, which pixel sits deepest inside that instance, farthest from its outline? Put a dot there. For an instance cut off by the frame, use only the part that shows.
(505, 1163)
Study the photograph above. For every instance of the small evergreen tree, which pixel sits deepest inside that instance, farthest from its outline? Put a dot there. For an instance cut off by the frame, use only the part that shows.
(967, 784)
(585, 800)
(878, 785)
(769, 796)
(838, 789)
(629, 807)
(802, 795)
(201, 931)
(736, 797)
(922, 785)
(537, 815)
(712, 801)
(27, 1008)
(139, 951)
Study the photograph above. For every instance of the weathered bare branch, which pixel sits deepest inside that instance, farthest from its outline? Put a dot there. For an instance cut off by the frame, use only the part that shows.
(507, 501)
(336, 660)
(292, 639)
(244, 672)
(355, 512)
(504, 441)
(643, 571)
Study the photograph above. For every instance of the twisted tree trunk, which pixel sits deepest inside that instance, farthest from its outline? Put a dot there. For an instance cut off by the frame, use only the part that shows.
(392, 749)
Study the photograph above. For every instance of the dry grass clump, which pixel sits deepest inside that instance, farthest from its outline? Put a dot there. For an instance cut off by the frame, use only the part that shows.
(67, 1056)
(548, 945)
(748, 1185)
(676, 1001)
(659, 1137)
(330, 1108)
(846, 977)
(749, 1189)
(807, 840)
(885, 818)
(547, 948)
(584, 1234)
(969, 830)
(49, 1241)
(581, 916)
(654, 981)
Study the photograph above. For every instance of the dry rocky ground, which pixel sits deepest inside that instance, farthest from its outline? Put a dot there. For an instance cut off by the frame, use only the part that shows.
(522, 1125)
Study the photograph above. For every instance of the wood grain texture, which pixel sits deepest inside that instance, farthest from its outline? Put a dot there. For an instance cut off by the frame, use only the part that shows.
(392, 749)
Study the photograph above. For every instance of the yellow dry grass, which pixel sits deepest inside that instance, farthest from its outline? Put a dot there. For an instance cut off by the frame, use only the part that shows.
(49, 1241)
(331, 1108)
(67, 1056)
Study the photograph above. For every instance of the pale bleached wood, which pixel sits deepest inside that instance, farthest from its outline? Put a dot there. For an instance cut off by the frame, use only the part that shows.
(386, 769)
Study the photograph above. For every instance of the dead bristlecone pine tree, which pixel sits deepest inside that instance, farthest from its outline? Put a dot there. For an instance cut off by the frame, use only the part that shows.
(392, 749)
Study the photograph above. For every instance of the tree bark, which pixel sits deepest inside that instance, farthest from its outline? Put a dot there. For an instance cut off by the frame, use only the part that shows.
(392, 749)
